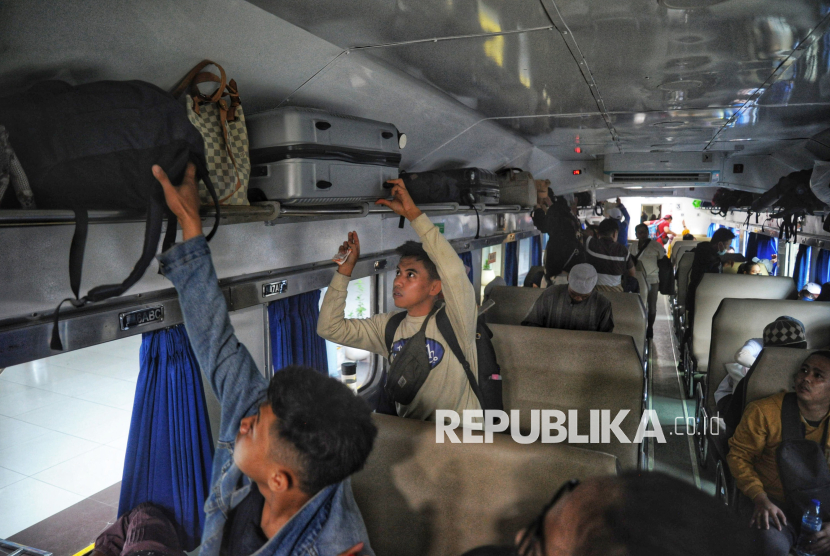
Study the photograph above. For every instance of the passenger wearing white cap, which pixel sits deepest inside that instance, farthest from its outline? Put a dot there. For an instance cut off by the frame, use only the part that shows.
(573, 306)
(620, 214)
(810, 292)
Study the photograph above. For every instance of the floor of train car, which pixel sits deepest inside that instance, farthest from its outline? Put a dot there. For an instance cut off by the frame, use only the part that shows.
(49, 470)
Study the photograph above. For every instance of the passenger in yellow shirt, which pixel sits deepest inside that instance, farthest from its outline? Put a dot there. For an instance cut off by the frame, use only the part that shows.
(754, 447)
(683, 236)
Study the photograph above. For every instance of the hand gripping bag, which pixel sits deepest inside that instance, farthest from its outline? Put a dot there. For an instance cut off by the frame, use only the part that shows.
(92, 147)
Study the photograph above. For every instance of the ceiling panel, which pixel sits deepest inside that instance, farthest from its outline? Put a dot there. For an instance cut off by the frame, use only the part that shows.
(778, 122)
(522, 74)
(158, 42)
(354, 23)
(645, 56)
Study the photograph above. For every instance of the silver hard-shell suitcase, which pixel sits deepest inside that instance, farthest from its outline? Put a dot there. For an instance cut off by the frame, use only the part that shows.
(309, 156)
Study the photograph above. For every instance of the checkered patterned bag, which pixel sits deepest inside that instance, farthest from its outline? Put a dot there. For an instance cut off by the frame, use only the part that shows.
(222, 125)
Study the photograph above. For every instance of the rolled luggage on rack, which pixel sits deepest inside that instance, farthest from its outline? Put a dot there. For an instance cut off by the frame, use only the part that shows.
(307, 156)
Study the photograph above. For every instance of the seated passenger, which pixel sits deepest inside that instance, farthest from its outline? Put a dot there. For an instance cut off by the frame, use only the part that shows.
(286, 447)
(707, 260)
(428, 273)
(573, 306)
(810, 292)
(754, 449)
(750, 268)
(634, 514)
(648, 252)
(730, 395)
(610, 259)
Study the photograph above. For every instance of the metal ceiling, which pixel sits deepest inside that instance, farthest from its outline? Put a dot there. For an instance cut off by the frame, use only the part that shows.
(486, 82)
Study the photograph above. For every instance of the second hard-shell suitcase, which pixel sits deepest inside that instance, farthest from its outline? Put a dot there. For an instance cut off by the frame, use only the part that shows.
(466, 186)
(309, 156)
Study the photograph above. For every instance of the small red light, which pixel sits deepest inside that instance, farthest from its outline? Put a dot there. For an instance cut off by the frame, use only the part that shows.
(577, 172)
(578, 150)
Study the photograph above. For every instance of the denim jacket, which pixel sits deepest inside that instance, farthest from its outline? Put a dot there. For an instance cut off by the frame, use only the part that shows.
(330, 522)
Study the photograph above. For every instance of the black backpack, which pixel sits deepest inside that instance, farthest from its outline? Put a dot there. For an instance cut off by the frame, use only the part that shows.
(91, 147)
(488, 387)
(802, 465)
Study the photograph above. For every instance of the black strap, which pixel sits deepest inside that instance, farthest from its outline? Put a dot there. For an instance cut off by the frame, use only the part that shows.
(445, 327)
(76, 251)
(391, 326)
(478, 221)
(791, 426)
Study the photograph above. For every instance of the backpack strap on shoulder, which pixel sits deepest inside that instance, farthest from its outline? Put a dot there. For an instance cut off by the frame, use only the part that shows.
(790, 418)
(445, 328)
(391, 326)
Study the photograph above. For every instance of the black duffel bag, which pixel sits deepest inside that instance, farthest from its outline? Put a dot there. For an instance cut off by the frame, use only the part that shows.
(92, 147)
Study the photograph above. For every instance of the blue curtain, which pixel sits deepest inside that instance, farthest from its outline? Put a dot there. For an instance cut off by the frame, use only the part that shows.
(752, 246)
(293, 326)
(711, 230)
(802, 266)
(767, 247)
(467, 259)
(536, 251)
(822, 271)
(511, 263)
(170, 448)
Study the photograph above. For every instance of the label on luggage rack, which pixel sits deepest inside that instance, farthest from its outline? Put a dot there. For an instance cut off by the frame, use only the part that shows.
(274, 288)
(141, 317)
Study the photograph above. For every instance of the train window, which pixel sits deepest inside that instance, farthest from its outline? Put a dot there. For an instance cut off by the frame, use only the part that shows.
(492, 265)
(359, 305)
(64, 422)
(524, 259)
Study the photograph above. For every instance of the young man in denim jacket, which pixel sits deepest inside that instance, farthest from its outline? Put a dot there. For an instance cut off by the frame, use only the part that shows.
(296, 439)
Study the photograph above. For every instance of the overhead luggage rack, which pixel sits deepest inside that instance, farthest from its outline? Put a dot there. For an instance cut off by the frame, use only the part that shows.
(267, 211)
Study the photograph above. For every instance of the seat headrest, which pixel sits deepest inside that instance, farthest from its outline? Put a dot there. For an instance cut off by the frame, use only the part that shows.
(512, 304)
(422, 498)
(738, 320)
(714, 288)
(773, 372)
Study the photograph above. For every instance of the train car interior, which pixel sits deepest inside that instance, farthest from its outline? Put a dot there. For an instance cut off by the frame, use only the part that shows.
(679, 122)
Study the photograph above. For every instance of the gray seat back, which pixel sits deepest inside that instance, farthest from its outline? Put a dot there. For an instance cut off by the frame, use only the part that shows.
(630, 317)
(738, 320)
(714, 288)
(421, 498)
(684, 268)
(512, 304)
(545, 368)
(678, 248)
(773, 372)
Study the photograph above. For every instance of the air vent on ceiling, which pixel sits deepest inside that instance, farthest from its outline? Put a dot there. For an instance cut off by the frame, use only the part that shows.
(634, 177)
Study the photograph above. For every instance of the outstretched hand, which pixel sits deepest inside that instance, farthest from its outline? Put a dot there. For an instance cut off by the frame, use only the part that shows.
(401, 203)
(353, 244)
(182, 200)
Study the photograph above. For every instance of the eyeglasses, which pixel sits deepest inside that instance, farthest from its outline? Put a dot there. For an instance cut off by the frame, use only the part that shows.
(534, 534)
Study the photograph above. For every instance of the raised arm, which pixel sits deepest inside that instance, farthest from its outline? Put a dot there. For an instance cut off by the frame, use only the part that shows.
(332, 323)
(459, 294)
(230, 369)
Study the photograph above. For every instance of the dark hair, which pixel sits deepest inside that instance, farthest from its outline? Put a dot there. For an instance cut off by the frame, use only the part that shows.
(825, 353)
(608, 226)
(658, 515)
(415, 250)
(329, 427)
(639, 226)
(689, 237)
(722, 235)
